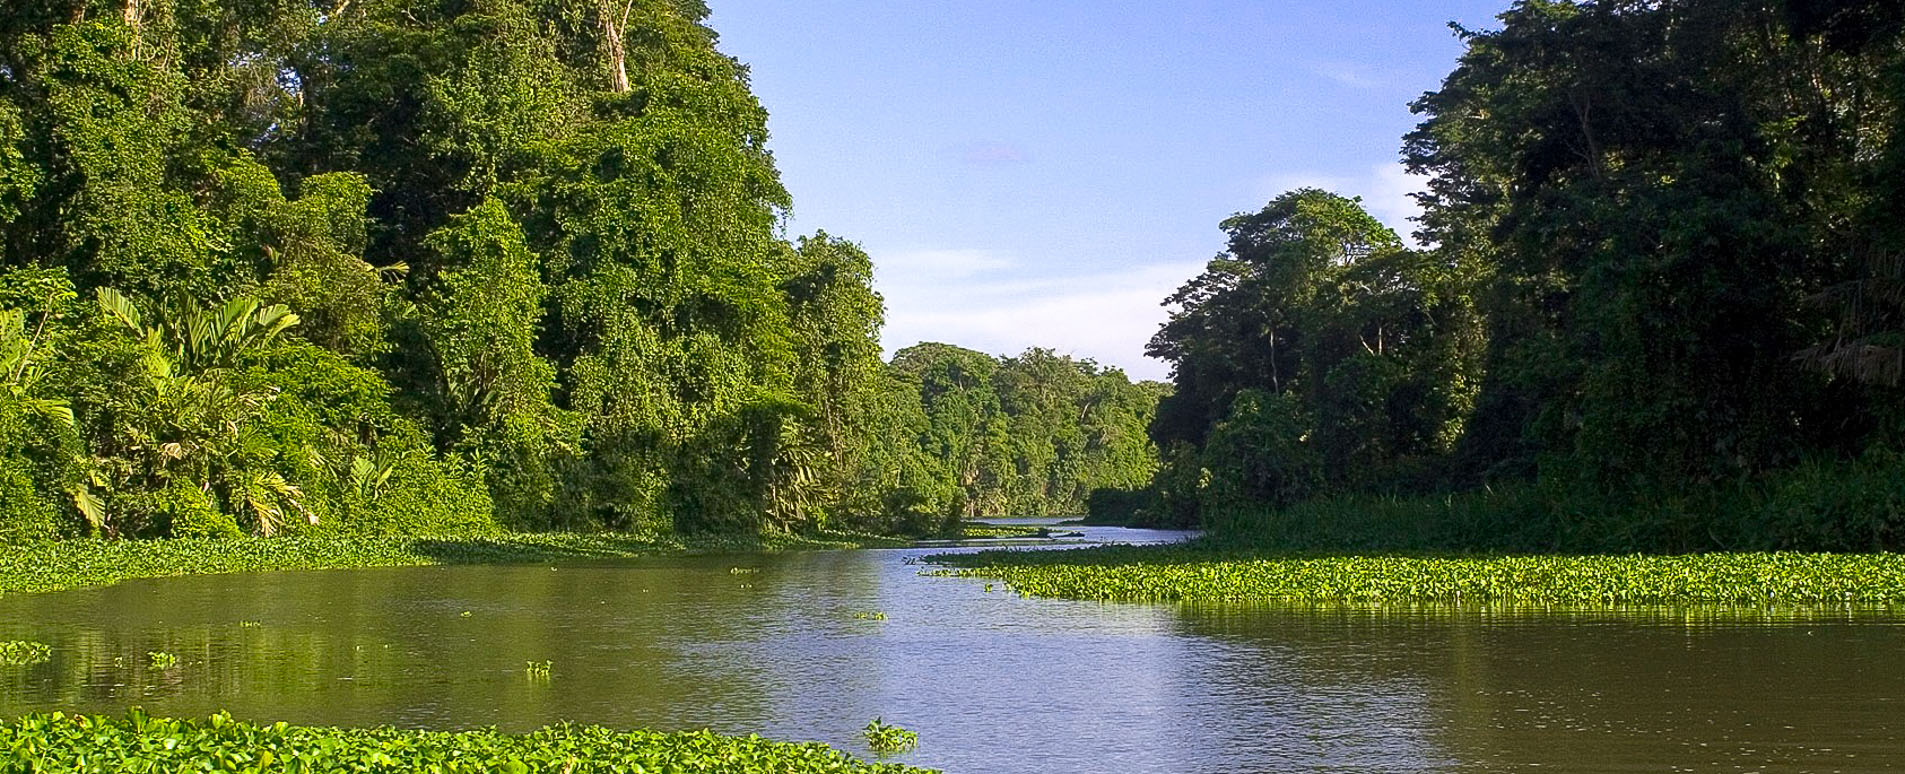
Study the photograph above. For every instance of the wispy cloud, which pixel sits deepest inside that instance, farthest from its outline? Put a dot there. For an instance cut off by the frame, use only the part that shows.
(1106, 316)
(1351, 74)
(990, 300)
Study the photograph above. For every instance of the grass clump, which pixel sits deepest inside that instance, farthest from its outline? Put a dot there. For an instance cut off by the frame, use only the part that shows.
(885, 739)
(57, 565)
(1203, 574)
(24, 652)
(137, 742)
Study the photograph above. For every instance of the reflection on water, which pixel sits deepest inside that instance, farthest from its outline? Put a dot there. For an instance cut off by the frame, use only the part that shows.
(992, 682)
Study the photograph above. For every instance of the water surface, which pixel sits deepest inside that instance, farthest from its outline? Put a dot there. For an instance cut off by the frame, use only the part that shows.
(774, 644)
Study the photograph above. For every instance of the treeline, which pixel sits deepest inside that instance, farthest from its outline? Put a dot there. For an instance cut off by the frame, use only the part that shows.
(428, 267)
(1032, 435)
(1661, 308)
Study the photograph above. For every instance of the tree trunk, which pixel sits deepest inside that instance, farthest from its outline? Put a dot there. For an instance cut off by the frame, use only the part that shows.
(132, 23)
(612, 37)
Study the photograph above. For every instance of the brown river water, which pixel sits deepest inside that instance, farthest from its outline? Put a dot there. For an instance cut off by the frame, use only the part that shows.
(993, 683)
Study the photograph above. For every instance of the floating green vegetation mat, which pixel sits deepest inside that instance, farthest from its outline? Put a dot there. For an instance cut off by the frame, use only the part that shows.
(972, 530)
(23, 652)
(137, 743)
(1193, 574)
(886, 739)
(56, 565)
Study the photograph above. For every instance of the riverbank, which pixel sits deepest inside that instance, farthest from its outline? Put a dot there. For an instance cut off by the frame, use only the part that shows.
(58, 565)
(136, 742)
(1202, 573)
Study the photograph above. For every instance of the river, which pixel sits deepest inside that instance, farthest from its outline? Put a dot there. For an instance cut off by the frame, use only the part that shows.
(793, 646)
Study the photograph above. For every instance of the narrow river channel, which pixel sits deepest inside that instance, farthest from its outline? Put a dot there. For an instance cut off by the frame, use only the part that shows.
(792, 646)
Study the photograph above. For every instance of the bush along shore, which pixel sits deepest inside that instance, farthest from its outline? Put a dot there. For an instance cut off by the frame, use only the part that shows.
(57, 565)
(1210, 574)
(141, 743)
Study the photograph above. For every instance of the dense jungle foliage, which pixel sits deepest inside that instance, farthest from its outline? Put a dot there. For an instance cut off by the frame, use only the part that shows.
(1660, 307)
(455, 266)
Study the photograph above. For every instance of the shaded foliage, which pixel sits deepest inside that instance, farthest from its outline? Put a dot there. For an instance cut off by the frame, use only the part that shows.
(1662, 267)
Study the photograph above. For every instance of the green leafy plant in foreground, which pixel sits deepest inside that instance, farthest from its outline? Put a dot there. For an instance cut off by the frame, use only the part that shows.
(885, 739)
(1198, 574)
(137, 742)
(23, 652)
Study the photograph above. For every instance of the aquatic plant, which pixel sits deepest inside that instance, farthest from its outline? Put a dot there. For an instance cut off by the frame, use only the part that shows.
(537, 670)
(870, 615)
(973, 530)
(137, 742)
(23, 652)
(159, 659)
(250, 624)
(1205, 574)
(68, 564)
(886, 739)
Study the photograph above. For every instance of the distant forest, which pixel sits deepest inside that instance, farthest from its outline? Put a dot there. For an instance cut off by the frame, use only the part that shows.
(437, 267)
(1662, 305)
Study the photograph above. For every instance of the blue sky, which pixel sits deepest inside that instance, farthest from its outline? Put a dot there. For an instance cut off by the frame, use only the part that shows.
(1045, 173)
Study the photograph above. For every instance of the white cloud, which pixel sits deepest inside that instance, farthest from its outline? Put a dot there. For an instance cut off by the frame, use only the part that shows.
(1107, 317)
(990, 301)
(1385, 190)
(1391, 197)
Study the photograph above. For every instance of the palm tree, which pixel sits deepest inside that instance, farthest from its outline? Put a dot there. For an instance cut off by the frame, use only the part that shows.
(199, 424)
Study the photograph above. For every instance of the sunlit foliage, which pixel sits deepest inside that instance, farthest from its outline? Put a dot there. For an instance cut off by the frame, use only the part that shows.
(137, 741)
(396, 267)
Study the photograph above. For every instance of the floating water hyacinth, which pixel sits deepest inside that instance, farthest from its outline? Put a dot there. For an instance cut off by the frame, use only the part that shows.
(55, 565)
(886, 739)
(23, 652)
(138, 742)
(1192, 574)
